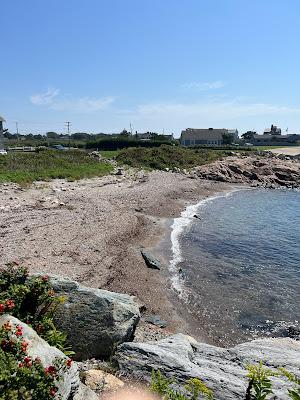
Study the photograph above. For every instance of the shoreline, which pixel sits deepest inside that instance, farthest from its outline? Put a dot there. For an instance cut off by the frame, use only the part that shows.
(92, 231)
(168, 251)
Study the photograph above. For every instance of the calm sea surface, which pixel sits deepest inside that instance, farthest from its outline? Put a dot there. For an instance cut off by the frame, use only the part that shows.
(239, 263)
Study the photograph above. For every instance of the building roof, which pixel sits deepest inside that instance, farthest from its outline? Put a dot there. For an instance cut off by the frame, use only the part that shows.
(210, 134)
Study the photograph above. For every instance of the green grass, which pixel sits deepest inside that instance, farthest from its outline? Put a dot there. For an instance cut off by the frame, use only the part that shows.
(109, 153)
(24, 168)
(168, 157)
(272, 147)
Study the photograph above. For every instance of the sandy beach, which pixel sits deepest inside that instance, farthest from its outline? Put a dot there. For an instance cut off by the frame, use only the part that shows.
(92, 231)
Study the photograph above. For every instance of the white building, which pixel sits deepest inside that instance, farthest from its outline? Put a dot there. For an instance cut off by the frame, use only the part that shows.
(206, 137)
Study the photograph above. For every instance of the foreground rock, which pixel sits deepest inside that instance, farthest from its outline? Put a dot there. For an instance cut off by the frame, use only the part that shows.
(95, 320)
(70, 386)
(100, 381)
(223, 370)
(267, 171)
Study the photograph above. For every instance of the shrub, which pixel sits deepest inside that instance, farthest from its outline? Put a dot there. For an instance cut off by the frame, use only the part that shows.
(167, 157)
(22, 377)
(294, 393)
(193, 387)
(33, 301)
(260, 385)
(123, 143)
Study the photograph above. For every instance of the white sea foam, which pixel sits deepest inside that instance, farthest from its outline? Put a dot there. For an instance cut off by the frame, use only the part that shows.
(179, 225)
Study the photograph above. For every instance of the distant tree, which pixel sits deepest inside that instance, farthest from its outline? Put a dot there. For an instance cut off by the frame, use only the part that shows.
(228, 138)
(80, 136)
(125, 133)
(248, 135)
(7, 134)
(52, 135)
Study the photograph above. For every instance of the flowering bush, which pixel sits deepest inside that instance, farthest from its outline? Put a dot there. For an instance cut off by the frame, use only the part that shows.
(22, 377)
(33, 301)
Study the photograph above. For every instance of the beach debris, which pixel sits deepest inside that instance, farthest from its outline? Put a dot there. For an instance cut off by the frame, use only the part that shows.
(120, 171)
(150, 261)
(155, 319)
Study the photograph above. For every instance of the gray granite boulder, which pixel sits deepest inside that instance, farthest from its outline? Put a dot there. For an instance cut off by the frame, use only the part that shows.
(95, 320)
(150, 261)
(38, 347)
(223, 370)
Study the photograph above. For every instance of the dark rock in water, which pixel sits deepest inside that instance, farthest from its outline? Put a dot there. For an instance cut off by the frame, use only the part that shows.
(196, 216)
(150, 261)
(94, 320)
(222, 370)
(156, 320)
(293, 332)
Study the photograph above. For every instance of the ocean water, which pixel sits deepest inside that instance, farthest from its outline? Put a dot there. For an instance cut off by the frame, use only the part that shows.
(237, 266)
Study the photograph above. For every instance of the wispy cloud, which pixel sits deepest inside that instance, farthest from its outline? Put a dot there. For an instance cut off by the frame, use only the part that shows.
(53, 100)
(203, 85)
(46, 98)
(177, 116)
(216, 110)
(83, 104)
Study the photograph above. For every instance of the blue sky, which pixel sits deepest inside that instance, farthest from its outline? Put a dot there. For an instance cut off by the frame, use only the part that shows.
(157, 64)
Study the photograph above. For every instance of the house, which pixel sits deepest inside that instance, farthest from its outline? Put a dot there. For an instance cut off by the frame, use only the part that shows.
(271, 137)
(274, 140)
(1, 133)
(206, 137)
(274, 130)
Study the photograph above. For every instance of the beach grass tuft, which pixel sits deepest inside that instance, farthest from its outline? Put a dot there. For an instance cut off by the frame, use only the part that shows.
(25, 168)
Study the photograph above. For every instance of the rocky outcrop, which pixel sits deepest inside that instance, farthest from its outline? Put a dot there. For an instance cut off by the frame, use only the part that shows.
(95, 320)
(267, 171)
(85, 393)
(150, 261)
(37, 347)
(223, 370)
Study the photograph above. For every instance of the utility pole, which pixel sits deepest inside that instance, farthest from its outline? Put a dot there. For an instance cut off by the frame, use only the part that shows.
(68, 123)
(17, 129)
(1, 133)
(130, 129)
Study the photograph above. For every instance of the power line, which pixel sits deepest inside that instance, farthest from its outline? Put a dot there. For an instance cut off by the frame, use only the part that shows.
(68, 123)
